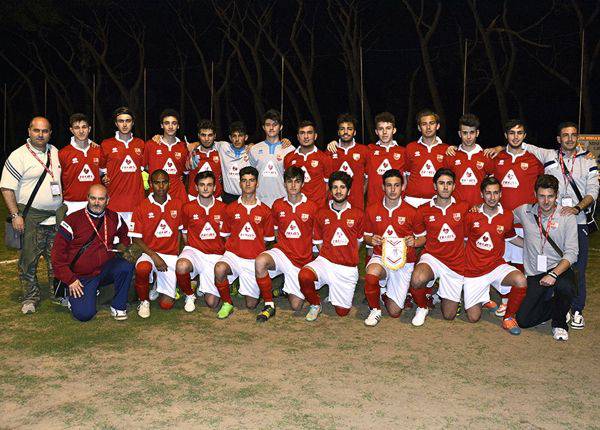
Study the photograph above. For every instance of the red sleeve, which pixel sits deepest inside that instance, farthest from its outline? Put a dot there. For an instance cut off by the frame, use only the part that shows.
(360, 227)
(226, 225)
(145, 155)
(60, 254)
(489, 166)
(269, 232)
(511, 233)
(123, 232)
(318, 231)
(103, 150)
(286, 160)
(368, 224)
(327, 166)
(419, 224)
(135, 228)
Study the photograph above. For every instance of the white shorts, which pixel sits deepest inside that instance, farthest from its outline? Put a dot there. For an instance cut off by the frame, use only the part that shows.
(341, 280)
(166, 282)
(477, 290)
(514, 253)
(244, 269)
(203, 267)
(396, 281)
(415, 202)
(284, 266)
(74, 206)
(451, 283)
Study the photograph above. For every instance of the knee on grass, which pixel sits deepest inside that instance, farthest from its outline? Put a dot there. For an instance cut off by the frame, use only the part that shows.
(341, 311)
(83, 316)
(165, 302)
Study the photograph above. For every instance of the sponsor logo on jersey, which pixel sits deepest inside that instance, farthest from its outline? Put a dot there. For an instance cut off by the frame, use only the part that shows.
(86, 174)
(510, 180)
(446, 234)
(208, 232)
(345, 167)
(307, 177)
(293, 231)
(128, 165)
(247, 232)
(428, 170)
(339, 238)
(468, 178)
(163, 229)
(390, 232)
(270, 170)
(384, 167)
(485, 242)
(169, 167)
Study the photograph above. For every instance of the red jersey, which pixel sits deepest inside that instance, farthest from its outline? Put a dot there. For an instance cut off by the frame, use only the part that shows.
(203, 226)
(380, 160)
(123, 162)
(158, 225)
(295, 224)
(247, 228)
(340, 234)
(353, 161)
(396, 223)
(445, 231)
(80, 170)
(470, 169)
(517, 174)
(422, 162)
(486, 238)
(207, 161)
(317, 169)
(171, 159)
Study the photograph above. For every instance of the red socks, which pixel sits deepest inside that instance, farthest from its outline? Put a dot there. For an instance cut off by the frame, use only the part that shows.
(341, 311)
(185, 283)
(166, 303)
(515, 298)
(307, 279)
(372, 291)
(419, 295)
(142, 279)
(266, 291)
(224, 292)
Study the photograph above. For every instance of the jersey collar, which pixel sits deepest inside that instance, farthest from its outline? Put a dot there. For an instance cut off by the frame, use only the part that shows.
(475, 150)
(154, 202)
(297, 151)
(437, 142)
(500, 211)
(249, 208)
(339, 214)
(391, 211)
(74, 145)
(433, 204)
(123, 141)
(348, 148)
(34, 149)
(294, 206)
(206, 208)
(387, 148)
(170, 146)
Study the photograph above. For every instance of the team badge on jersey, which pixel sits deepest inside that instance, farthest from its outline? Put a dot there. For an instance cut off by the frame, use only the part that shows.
(401, 220)
(446, 234)
(350, 222)
(339, 238)
(174, 214)
(456, 216)
(208, 232)
(138, 151)
(314, 163)
(485, 242)
(500, 229)
(480, 165)
(163, 229)
(293, 232)
(247, 232)
(468, 178)
(356, 157)
(86, 174)
(128, 165)
(304, 217)
(440, 158)
(216, 159)
(217, 218)
(177, 155)
(397, 156)
(524, 166)
(257, 219)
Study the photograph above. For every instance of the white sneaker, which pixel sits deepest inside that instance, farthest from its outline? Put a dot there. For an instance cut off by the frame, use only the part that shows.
(190, 303)
(118, 315)
(577, 321)
(373, 318)
(419, 318)
(560, 334)
(153, 294)
(28, 308)
(144, 309)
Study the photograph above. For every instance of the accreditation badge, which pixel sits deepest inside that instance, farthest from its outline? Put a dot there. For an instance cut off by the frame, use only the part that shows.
(393, 253)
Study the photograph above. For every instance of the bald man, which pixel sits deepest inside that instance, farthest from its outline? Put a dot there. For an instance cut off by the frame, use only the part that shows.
(31, 188)
(84, 256)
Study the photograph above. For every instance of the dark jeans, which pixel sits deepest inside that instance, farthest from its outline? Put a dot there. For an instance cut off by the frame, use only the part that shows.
(582, 260)
(544, 303)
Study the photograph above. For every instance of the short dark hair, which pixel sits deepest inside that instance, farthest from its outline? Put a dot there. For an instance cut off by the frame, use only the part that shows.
(204, 175)
(78, 117)
(206, 124)
(565, 124)
(489, 180)
(546, 181)
(293, 172)
(469, 120)
(273, 115)
(158, 172)
(346, 117)
(393, 173)
(306, 123)
(511, 123)
(237, 127)
(249, 170)
(444, 171)
(385, 117)
(169, 112)
(340, 176)
(426, 112)
(123, 110)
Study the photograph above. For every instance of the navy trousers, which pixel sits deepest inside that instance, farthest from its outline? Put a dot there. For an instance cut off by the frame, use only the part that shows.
(581, 264)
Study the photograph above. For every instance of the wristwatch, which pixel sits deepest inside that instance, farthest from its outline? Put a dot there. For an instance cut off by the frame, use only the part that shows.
(14, 215)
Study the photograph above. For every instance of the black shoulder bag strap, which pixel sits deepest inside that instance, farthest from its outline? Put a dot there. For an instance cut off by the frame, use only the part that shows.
(37, 186)
(550, 240)
(589, 214)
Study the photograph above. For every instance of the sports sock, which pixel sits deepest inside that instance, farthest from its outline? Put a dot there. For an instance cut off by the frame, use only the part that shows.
(307, 279)
(185, 283)
(419, 295)
(165, 302)
(504, 298)
(372, 291)
(515, 298)
(264, 285)
(341, 311)
(224, 292)
(142, 279)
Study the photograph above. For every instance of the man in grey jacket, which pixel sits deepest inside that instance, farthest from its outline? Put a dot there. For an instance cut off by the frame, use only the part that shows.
(550, 249)
(573, 168)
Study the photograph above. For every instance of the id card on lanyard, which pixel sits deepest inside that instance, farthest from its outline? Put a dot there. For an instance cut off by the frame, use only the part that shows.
(54, 184)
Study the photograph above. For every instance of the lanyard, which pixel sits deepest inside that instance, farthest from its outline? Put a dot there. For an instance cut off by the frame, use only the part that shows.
(105, 241)
(49, 155)
(568, 174)
(543, 238)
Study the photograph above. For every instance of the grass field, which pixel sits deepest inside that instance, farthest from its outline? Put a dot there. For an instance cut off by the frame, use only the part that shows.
(182, 370)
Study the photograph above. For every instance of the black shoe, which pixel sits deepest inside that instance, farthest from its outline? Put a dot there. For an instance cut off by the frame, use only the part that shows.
(265, 314)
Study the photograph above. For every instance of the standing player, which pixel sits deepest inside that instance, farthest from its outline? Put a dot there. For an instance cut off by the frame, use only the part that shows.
(442, 223)
(293, 217)
(423, 158)
(122, 162)
(80, 164)
(314, 163)
(247, 224)
(205, 157)
(202, 219)
(487, 230)
(468, 162)
(169, 154)
(339, 230)
(155, 229)
(267, 156)
(391, 219)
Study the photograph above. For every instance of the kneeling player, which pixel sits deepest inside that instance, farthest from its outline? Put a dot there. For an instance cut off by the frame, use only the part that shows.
(390, 220)
(294, 218)
(441, 221)
(202, 219)
(486, 232)
(339, 230)
(155, 226)
(248, 224)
